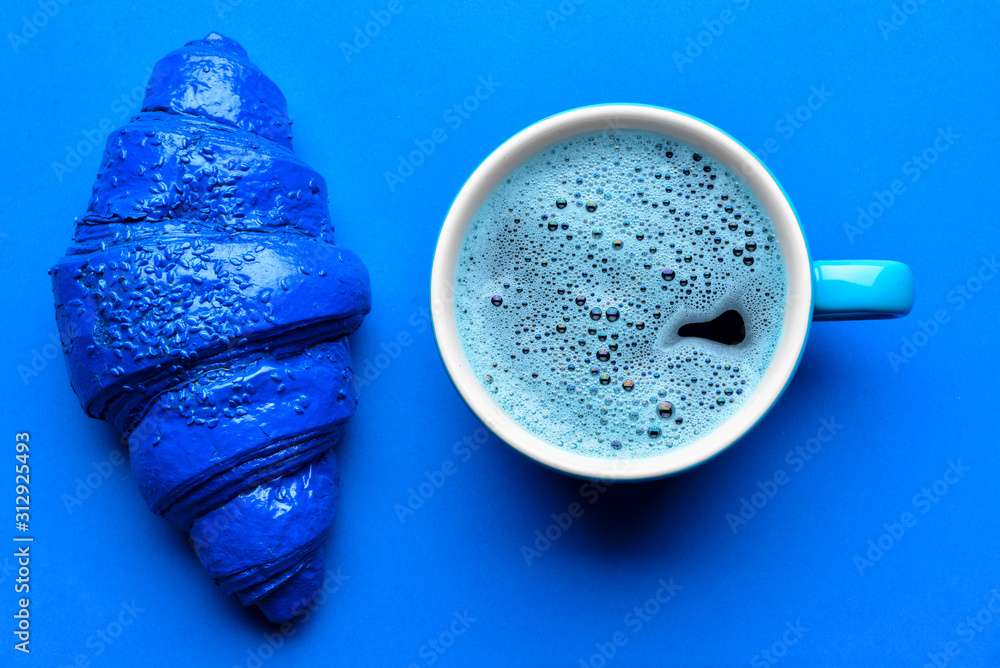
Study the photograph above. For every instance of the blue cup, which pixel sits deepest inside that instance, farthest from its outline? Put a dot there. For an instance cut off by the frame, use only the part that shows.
(817, 290)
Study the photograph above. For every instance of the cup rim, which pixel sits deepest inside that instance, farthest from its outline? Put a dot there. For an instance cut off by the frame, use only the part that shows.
(675, 125)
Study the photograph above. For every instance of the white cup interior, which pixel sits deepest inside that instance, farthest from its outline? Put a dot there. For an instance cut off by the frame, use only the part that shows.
(704, 137)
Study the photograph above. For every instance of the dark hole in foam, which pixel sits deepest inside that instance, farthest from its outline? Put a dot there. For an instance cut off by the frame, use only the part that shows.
(728, 328)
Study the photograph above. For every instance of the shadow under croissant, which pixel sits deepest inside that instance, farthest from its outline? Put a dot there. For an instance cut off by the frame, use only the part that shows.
(204, 312)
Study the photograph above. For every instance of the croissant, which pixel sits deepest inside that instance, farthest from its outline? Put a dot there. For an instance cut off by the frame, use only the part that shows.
(203, 310)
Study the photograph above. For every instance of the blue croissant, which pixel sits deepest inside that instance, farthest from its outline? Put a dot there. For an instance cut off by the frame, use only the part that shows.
(203, 310)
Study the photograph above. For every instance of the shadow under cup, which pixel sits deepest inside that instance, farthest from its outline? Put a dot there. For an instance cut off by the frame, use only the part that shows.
(842, 290)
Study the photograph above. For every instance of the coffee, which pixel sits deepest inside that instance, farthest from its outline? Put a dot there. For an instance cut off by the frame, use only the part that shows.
(620, 294)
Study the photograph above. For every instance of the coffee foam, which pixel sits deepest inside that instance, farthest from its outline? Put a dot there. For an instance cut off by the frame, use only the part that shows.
(563, 301)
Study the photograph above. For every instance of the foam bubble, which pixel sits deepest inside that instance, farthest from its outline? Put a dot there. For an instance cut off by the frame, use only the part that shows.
(578, 271)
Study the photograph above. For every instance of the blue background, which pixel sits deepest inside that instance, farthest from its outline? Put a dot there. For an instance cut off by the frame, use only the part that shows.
(402, 582)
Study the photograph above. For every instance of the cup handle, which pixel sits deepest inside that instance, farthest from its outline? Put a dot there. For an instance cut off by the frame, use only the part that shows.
(861, 290)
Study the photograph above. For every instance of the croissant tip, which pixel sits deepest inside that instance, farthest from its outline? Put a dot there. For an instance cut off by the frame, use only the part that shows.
(217, 40)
